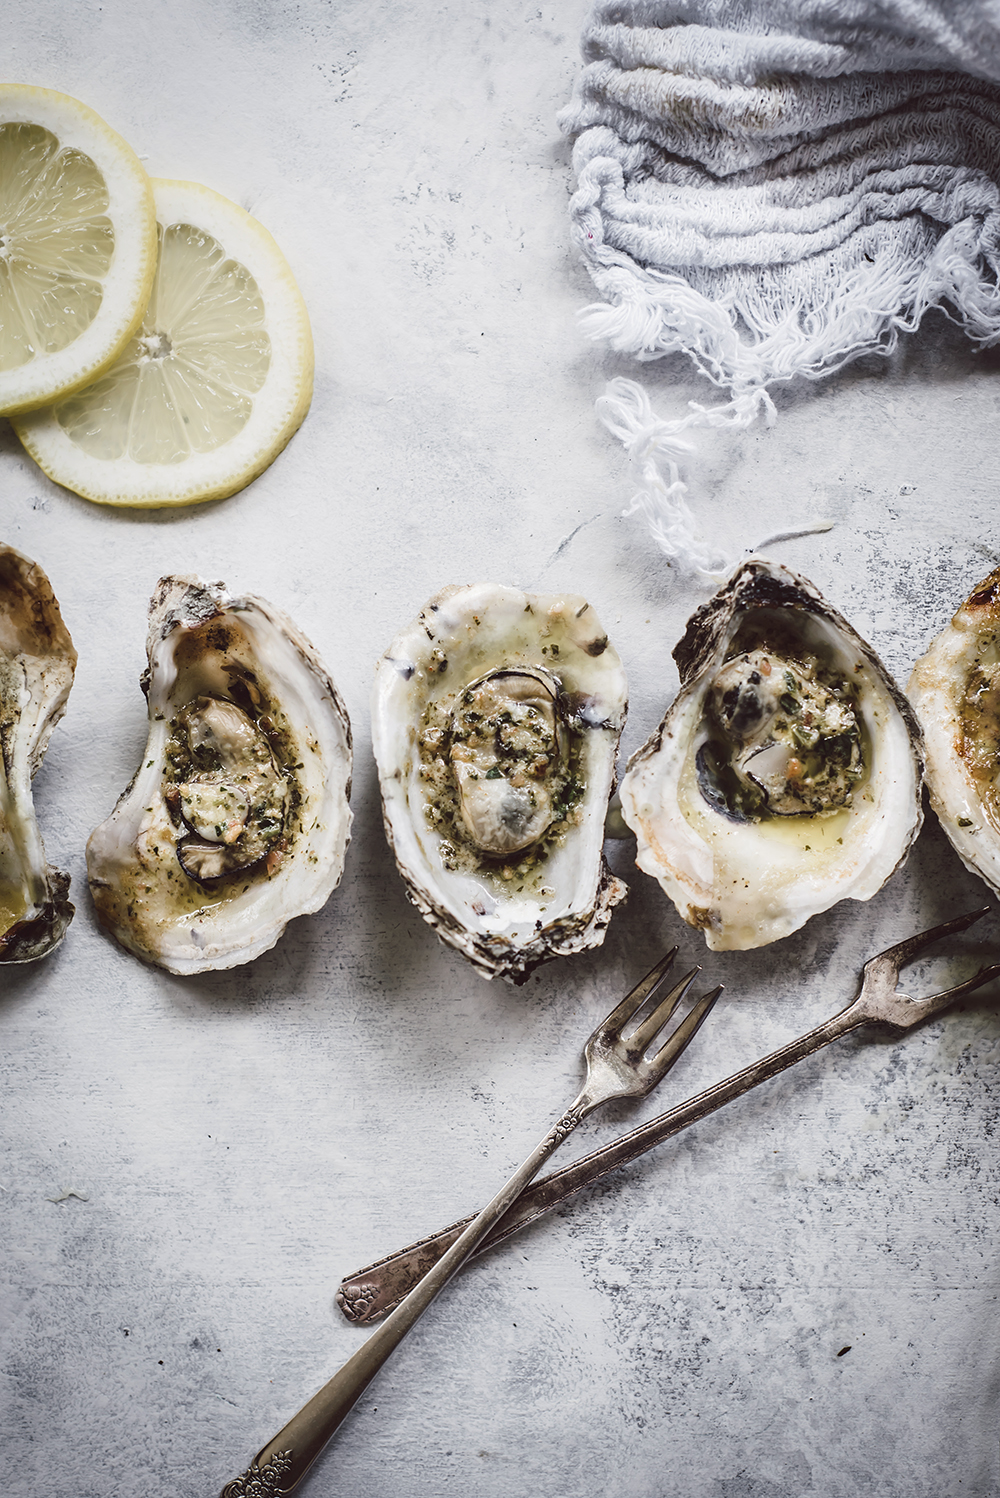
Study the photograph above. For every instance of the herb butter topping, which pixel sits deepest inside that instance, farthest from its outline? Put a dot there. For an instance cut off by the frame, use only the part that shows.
(501, 771)
(225, 789)
(979, 722)
(784, 738)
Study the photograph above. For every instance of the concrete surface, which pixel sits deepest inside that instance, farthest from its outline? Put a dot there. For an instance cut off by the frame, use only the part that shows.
(797, 1298)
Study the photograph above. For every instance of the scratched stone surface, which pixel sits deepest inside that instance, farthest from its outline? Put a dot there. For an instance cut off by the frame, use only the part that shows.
(795, 1299)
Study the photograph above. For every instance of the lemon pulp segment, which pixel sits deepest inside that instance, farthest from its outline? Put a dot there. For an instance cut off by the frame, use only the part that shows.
(77, 245)
(211, 385)
(56, 243)
(185, 383)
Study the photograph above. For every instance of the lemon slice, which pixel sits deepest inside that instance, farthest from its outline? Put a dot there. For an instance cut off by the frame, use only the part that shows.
(213, 384)
(77, 245)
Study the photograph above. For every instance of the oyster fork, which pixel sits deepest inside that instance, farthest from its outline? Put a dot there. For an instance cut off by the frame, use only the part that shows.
(618, 1066)
(370, 1293)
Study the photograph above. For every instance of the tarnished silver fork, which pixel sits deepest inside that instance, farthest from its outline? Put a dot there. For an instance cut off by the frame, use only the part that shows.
(370, 1293)
(618, 1066)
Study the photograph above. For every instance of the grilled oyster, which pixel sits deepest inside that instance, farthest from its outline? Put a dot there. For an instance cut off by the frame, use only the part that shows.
(37, 662)
(495, 722)
(786, 774)
(955, 691)
(238, 818)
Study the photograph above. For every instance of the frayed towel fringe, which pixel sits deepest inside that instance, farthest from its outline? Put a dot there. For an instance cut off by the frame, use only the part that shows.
(755, 329)
(657, 447)
(807, 340)
(817, 221)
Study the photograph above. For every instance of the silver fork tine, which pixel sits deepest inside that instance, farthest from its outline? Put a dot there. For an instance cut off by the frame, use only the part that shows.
(646, 1031)
(685, 1033)
(976, 981)
(610, 1028)
(904, 951)
(881, 999)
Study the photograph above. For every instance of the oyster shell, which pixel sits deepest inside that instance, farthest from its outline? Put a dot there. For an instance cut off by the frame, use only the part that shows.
(955, 691)
(37, 662)
(496, 717)
(785, 776)
(237, 819)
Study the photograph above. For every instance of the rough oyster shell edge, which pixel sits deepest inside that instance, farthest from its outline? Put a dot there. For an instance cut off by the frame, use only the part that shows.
(37, 665)
(880, 836)
(126, 855)
(936, 686)
(451, 624)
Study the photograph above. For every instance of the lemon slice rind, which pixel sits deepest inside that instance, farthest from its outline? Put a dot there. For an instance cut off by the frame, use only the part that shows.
(126, 284)
(279, 406)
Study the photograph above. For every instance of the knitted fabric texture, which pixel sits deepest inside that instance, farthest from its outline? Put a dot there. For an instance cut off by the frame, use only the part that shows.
(775, 189)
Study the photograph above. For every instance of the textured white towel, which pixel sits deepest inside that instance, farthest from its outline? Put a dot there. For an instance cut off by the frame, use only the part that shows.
(774, 189)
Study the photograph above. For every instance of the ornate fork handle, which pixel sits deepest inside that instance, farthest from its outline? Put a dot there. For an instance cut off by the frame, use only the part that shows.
(617, 1067)
(370, 1293)
(280, 1466)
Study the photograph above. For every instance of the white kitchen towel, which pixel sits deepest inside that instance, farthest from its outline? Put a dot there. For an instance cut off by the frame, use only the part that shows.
(775, 188)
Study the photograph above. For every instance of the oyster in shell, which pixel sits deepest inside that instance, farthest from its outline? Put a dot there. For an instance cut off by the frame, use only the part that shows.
(955, 691)
(237, 819)
(37, 662)
(785, 776)
(496, 717)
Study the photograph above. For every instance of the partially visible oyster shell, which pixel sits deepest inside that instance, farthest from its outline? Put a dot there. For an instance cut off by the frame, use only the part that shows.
(237, 819)
(785, 776)
(37, 662)
(955, 691)
(496, 717)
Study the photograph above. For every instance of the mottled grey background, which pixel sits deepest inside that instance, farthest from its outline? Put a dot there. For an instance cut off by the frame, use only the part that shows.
(241, 1141)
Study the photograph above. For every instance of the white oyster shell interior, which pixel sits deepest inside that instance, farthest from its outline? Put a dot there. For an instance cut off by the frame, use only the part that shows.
(237, 819)
(37, 663)
(496, 717)
(816, 832)
(955, 691)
